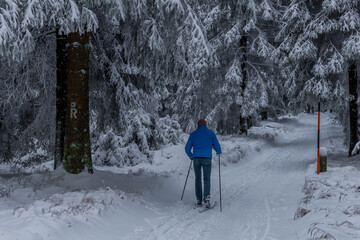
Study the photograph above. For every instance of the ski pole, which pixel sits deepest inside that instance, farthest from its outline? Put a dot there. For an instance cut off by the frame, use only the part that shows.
(220, 185)
(186, 180)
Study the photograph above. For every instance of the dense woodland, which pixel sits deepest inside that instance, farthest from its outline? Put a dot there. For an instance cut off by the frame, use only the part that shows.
(104, 82)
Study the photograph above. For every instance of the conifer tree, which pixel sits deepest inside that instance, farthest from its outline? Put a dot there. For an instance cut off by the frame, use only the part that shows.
(321, 60)
(245, 77)
(37, 20)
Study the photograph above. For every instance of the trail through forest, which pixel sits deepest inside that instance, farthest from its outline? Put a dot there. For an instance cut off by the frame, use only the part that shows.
(260, 195)
(261, 188)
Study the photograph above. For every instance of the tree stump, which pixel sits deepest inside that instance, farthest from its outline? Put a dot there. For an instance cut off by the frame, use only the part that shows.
(323, 159)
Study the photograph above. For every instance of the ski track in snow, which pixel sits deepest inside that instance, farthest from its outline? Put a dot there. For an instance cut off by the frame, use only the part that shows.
(258, 175)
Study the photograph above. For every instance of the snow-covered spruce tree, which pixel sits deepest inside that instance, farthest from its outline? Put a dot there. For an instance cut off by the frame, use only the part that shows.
(193, 57)
(134, 68)
(26, 103)
(292, 58)
(318, 41)
(146, 56)
(36, 20)
(76, 19)
(9, 11)
(245, 79)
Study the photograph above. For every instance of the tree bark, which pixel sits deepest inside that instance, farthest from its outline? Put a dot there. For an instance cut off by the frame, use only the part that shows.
(77, 153)
(243, 59)
(353, 106)
(61, 81)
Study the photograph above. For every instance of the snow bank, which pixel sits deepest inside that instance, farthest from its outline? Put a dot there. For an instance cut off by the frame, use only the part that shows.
(134, 146)
(267, 131)
(54, 205)
(330, 207)
(78, 203)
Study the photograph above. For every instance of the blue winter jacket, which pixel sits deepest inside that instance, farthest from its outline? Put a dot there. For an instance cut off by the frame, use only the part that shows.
(202, 141)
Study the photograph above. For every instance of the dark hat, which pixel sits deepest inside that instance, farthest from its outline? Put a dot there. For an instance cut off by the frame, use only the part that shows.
(202, 122)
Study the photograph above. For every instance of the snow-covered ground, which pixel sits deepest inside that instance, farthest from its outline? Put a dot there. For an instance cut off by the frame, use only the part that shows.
(330, 207)
(269, 191)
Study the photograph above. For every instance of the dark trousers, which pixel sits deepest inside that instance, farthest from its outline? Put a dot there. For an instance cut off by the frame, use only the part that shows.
(205, 164)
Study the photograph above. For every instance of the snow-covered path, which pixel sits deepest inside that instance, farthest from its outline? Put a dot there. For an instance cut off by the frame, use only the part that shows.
(268, 187)
(260, 193)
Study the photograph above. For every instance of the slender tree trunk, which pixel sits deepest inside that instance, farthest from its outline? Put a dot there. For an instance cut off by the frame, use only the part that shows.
(61, 81)
(77, 153)
(353, 106)
(243, 59)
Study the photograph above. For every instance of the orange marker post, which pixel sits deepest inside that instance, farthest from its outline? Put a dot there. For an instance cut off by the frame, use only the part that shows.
(318, 140)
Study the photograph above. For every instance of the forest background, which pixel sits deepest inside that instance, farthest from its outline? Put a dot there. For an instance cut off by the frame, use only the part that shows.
(146, 70)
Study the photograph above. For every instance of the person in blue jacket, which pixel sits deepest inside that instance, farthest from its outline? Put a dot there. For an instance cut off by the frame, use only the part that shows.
(199, 149)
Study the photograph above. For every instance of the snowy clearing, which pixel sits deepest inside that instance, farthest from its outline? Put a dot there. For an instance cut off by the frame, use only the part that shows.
(263, 191)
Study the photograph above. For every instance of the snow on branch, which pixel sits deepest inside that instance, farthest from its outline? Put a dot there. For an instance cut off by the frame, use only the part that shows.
(212, 17)
(8, 24)
(356, 149)
(349, 21)
(74, 12)
(269, 13)
(193, 41)
(320, 25)
(34, 15)
(339, 91)
(332, 6)
(351, 46)
(197, 33)
(155, 40)
(319, 68)
(336, 62)
(262, 47)
(121, 9)
(296, 12)
(88, 20)
(233, 35)
(303, 49)
(233, 75)
(316, 87)
(6, 32)
(171, 5)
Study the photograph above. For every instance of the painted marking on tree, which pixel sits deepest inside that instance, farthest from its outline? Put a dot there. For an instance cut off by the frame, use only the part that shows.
(73, 110)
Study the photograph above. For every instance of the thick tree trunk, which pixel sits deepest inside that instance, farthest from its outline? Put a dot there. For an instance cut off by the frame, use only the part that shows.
(61, 81)
(353, 106)
(77, 153)
(243, 59)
